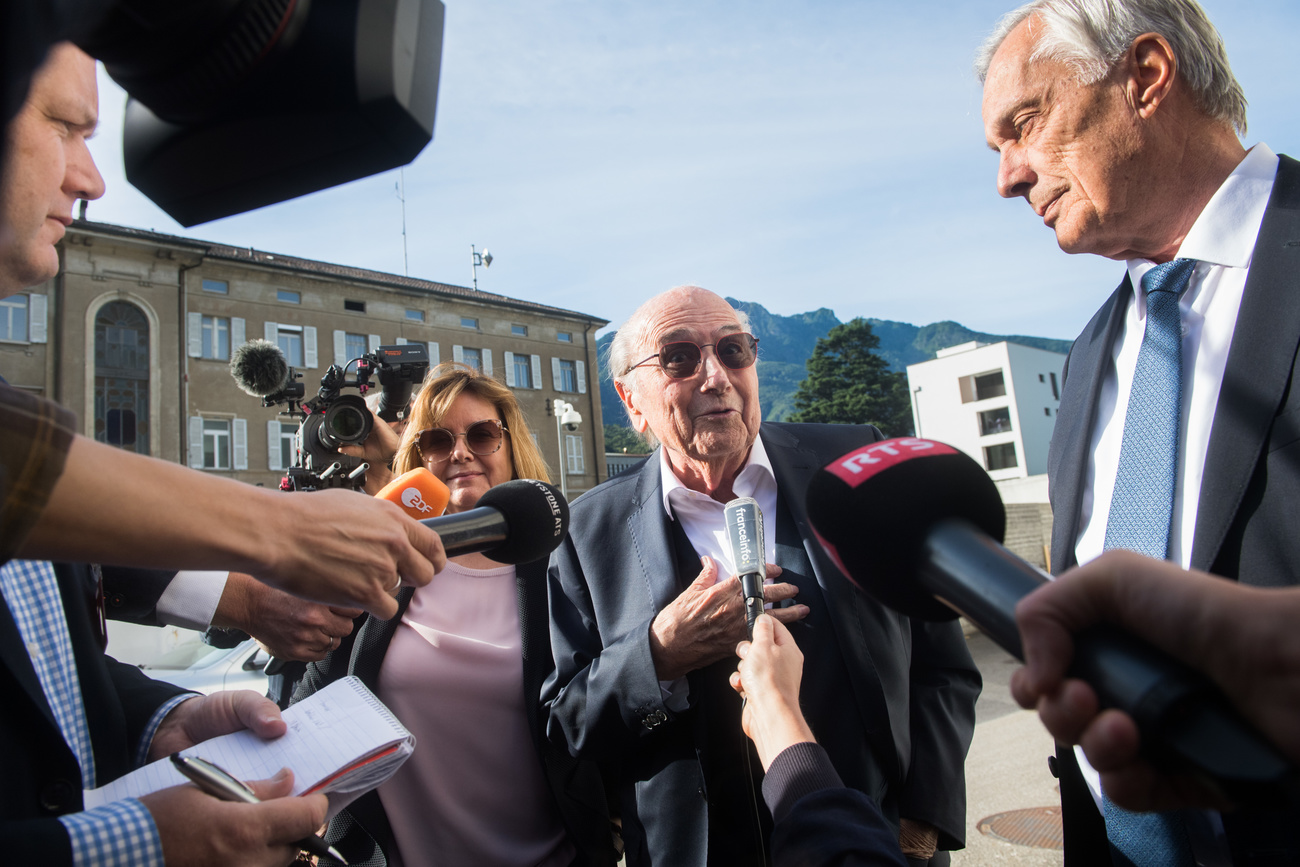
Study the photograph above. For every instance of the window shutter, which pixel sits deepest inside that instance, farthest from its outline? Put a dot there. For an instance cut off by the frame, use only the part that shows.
(239, 442)
(196, 442)
(555, 374)
(271, 331)
(458, 353)
(508, 359)
(273, 445)
(37, 316)
(340, 351)
(580, 370)
(400, 341)
(433, 354)
(194, 324)
(487, 362)
(310, 361)
(537, 371)
(238, 337)
(375, 341)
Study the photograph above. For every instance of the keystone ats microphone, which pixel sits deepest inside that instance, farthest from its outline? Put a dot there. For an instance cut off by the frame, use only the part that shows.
(744, 522)
(913, 522)
(515, 522)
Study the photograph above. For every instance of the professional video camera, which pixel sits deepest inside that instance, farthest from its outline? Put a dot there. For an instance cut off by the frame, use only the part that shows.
(331, 418)
(236, 104)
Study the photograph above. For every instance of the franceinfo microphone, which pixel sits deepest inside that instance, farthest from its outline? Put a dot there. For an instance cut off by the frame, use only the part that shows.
(744, 522)
(514, 522)
(913, 523)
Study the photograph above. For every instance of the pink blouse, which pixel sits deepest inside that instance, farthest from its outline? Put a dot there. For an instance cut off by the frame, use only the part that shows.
(473, 792)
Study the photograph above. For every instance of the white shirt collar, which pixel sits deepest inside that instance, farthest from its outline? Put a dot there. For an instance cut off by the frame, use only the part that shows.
(757, 469)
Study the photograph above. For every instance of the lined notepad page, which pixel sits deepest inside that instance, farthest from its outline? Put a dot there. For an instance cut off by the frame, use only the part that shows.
(335, 729)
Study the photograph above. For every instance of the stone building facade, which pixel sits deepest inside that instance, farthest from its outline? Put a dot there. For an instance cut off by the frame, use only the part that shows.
(135, 335)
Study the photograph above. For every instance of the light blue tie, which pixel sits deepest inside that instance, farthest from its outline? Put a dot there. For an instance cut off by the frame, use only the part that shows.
(1140, 515)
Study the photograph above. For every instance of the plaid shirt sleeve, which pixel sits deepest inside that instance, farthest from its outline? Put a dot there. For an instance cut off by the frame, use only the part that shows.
(120, 834)
(35, 436)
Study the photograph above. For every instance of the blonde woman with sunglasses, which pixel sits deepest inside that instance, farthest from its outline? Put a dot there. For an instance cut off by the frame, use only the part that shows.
(462, 666)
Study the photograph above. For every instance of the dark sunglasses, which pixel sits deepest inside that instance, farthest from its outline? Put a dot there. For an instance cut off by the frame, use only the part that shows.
(681, 359)
(481, 438)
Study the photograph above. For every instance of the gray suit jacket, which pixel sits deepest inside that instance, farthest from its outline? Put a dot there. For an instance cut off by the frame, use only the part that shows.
(1246, 514)
(913, 683)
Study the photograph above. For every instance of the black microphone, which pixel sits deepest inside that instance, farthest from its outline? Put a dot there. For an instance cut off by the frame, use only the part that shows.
(914, 523)
(259, 368)
(744, 522)
(514, 522)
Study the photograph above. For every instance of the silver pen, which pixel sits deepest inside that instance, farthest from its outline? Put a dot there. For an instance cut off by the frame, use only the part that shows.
(220, 784)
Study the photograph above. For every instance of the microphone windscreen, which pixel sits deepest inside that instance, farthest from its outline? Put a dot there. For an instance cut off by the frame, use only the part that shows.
(259, 368)
(537, 519)
(873, 507)
(419, 492)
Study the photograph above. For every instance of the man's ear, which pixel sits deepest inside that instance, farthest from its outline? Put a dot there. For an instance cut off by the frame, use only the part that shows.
(626, 395)
(1152, 70)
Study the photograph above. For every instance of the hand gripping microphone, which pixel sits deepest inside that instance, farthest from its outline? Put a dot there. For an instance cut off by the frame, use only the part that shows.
(514, 522)
(913, 523)
(744, 522)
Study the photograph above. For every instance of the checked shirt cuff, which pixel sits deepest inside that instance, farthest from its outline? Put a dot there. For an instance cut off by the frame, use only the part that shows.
(120, 834)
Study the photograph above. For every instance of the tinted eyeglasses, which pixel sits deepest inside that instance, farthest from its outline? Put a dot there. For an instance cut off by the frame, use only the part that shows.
(481, 438)
(681, 359)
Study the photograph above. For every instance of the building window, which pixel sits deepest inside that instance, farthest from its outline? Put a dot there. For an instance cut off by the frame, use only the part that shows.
(564, 336)
(519, 330)
(1000, 457)
(472, 357)
(289, 337)
(982, 386)
(216, 338)
(468, 322)
(575, 464)
(357, 346)
(414, 315)
(288, 297)
(216, 444)
(288, 444)
(568, 376)
(13, 318)
(995, 421)
(122, 377)
(221, 287)
(354, 306)
(1056, 392)
(523, 371)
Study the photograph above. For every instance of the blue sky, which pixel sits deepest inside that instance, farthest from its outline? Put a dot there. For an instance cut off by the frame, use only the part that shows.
(826, 153)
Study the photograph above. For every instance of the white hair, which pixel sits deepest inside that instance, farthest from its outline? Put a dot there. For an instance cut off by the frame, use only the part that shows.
(1092, 36)
(629, 340)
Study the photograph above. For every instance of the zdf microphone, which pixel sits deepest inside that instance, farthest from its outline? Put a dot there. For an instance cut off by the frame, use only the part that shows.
(914, 523)
(419, 492)
(744, 522)
(514, 522)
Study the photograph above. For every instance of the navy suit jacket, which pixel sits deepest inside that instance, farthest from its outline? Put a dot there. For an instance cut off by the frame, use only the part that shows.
(914, 683)
(40, 774)
(1245, 521)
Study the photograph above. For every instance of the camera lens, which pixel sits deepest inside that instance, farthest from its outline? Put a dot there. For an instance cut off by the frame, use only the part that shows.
(346, 422)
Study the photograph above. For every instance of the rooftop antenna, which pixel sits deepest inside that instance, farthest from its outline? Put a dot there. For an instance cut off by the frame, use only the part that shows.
(477, 258)
(401, 197)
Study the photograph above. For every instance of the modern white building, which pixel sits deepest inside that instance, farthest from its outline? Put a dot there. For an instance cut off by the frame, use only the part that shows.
(997, 402)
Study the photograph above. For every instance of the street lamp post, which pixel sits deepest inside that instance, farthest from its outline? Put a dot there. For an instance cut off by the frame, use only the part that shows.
(566, 418)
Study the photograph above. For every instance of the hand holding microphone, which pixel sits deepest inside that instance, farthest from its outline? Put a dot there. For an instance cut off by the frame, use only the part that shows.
(744, 521)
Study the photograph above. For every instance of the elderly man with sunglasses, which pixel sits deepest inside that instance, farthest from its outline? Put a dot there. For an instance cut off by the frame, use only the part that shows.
(646, 614)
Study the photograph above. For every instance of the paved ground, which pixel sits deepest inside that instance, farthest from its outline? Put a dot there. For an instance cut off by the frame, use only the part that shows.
(1006, 771)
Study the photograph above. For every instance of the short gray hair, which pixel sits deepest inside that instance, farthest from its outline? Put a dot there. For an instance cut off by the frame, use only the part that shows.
(1092, 35)
(628, 340)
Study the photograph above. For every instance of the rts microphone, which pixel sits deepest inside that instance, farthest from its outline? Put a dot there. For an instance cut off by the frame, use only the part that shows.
(419, 492)
(744, 522)
(259, 368)
(914, 523)
(514, 522)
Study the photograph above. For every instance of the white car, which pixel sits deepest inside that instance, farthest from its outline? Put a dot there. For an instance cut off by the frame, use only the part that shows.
(202, 668)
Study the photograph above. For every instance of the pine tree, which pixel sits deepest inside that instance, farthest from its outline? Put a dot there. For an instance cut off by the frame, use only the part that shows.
(848, 383)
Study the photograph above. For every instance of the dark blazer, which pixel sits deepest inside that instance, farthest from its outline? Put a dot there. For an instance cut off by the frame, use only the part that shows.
(913, 684)
(1246, 514)
(131, 595)
(42, 779)
(362, 833)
